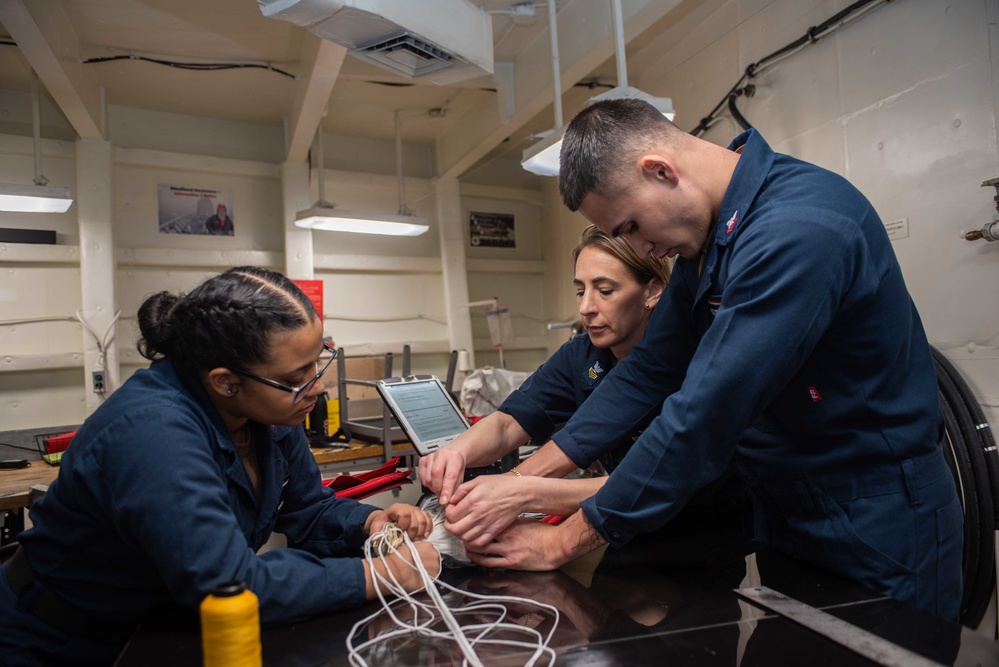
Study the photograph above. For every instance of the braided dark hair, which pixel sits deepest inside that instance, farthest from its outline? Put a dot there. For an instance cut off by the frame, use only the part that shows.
(227, 321)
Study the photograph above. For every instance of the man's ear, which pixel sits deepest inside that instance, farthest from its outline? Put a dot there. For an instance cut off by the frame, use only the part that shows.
(658, 167)
(223, 382)
(653, 291)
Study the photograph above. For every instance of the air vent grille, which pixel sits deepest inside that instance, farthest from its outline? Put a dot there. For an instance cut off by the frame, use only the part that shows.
(408, 55)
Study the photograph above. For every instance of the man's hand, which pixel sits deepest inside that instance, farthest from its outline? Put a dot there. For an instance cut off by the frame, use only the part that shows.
(483, 507)
(442, 472)
(413, 520)
(532, 545)
(526, 545)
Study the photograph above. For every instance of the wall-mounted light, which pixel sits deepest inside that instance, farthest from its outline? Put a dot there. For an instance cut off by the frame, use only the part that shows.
(40, 197)
(327, 217)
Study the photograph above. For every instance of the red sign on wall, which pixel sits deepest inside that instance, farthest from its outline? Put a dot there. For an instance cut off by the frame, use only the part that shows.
(314, 290)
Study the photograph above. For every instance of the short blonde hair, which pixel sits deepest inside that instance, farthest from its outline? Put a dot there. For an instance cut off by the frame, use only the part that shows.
(644, 270)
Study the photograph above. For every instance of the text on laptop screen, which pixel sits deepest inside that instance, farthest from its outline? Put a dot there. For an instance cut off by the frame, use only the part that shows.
(427, 410)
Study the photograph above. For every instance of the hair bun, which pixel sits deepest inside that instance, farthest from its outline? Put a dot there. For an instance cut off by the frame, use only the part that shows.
(156, 325)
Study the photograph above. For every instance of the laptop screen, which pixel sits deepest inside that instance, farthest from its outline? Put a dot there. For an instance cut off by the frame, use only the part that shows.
(425, 411)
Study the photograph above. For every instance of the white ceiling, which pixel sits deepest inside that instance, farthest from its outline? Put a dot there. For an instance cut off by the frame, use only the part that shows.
(55, 36)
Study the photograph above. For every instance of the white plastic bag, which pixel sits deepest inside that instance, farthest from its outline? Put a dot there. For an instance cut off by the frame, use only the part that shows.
(485, 388)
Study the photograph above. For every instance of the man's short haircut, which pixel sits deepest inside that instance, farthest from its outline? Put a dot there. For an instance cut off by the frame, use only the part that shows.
(601, 141)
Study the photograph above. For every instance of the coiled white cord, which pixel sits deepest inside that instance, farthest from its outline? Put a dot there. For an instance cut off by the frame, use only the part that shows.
(424, 614)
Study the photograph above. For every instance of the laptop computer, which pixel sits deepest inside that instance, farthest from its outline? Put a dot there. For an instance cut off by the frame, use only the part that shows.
(424, 409)
(430, 418)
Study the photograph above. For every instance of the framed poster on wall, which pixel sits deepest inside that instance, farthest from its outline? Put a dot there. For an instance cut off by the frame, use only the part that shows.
(491, 230)
(186, 210)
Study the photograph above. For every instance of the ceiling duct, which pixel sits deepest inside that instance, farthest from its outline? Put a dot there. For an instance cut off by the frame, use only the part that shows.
(444, 41)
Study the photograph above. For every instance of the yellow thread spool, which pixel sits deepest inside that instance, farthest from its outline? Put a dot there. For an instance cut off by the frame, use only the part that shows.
(333, 416)
(230, 627)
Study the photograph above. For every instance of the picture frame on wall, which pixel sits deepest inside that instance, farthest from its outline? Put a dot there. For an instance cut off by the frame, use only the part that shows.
(491, 230)
(190, 210)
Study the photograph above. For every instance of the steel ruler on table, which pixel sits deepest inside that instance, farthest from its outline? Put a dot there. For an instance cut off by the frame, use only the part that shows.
(858, 640)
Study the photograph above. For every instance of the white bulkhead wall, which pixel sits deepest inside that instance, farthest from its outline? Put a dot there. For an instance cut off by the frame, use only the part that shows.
(902, 102)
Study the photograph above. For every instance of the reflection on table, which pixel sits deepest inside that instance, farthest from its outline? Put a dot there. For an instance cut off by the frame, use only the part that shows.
(666, 598)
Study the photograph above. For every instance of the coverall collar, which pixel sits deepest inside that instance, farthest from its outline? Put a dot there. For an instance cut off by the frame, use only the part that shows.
(756, 158)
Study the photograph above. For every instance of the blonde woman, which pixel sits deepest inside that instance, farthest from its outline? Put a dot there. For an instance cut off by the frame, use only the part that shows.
(616, 291)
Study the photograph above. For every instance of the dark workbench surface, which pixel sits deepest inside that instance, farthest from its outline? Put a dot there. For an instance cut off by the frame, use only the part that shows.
(665, 599)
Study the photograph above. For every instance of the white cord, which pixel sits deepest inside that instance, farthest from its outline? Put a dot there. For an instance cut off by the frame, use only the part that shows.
(424, 614)
(33, 320)
(401, 318)
(102, 341)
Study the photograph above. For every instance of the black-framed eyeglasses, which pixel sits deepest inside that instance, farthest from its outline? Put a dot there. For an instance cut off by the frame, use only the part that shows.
(299, 391)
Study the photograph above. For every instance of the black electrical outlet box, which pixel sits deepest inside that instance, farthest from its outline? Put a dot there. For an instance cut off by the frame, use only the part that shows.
(12, 235)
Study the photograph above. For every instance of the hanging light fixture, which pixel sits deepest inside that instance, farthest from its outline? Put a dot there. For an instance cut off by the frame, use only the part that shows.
(326, 216)
(542, 158)
(40, 197)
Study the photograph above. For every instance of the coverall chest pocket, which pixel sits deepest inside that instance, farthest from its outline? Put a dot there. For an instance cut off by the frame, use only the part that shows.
(797, 410)
(705, 311)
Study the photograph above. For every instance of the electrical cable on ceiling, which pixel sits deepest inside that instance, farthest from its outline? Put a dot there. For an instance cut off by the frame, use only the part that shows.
(811, 36)
(207, 67)
(424, 617)
(971, 453)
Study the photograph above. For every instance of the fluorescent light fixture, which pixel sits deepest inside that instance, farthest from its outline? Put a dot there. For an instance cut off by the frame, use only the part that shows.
(326, 216)
(34, 198)
(542, 157)
(329, 218)
(663, 104)
(40, 197)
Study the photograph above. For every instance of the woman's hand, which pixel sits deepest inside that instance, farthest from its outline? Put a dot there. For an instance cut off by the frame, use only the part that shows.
(483, 507)
(414, 521)
(442, 472)
(402, 568)
(486, 441)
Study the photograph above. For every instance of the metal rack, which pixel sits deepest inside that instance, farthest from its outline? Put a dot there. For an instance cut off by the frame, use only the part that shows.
(384, 428)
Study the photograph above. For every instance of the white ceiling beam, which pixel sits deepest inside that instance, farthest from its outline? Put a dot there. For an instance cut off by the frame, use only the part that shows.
(321, 61)
(590, 26)
(47, 40)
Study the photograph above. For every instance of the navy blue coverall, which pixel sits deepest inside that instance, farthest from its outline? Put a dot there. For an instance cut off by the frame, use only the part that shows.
(153, 506)
(797, 349)
(557, 389)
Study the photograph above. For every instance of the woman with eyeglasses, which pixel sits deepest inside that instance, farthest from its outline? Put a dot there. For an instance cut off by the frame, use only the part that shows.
(179, 478)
